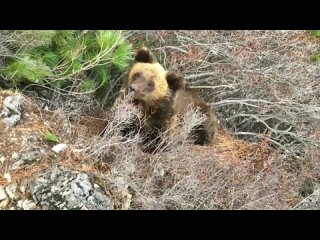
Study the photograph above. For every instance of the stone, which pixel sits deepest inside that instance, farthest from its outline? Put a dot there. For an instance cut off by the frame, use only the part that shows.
(12, 110)
(17, 165)
(59, 148)
(27, 156)
(30, 156)
(12, 190)
(60, 188)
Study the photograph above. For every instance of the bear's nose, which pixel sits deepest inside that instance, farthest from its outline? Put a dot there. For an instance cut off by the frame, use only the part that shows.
(133, 88)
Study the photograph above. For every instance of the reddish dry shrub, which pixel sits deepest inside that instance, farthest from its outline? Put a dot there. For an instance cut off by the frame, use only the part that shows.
(265, 90)
(230, 174)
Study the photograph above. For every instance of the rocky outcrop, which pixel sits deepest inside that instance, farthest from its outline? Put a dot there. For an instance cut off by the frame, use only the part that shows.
(27, 157)
(60, 188)
(12, 110)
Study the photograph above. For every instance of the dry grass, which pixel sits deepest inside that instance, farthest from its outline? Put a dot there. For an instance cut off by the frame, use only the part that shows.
(231, 174)
(266, 92)
(265, 89)
(257, 80)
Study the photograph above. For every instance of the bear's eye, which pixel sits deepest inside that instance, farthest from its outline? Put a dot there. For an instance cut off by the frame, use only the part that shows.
(150, 85)
(137, 75)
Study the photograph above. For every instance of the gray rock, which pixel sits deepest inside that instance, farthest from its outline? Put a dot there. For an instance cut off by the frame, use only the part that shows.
(26, 157)
(12, 190)
(29, 156)
(17, 165)
(12, 105)
(12, 110)
(97, 201)
(60, 188)
(12, 120)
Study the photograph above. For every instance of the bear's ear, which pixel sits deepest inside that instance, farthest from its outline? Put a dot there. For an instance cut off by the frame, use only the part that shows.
(175, 82)
(144, 56)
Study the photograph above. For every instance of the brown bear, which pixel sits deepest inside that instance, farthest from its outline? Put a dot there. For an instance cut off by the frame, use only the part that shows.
(163, 96)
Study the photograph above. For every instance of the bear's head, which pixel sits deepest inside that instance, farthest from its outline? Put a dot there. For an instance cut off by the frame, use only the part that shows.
(149, 81)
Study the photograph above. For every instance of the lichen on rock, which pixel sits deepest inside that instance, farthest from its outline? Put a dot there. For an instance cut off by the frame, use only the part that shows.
(62, 189)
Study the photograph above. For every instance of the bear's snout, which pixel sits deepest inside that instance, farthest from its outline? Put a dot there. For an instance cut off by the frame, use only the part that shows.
(133, 88)
(141, 88)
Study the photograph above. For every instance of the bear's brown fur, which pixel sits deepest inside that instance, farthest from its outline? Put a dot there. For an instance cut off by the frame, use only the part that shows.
(163, 96)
